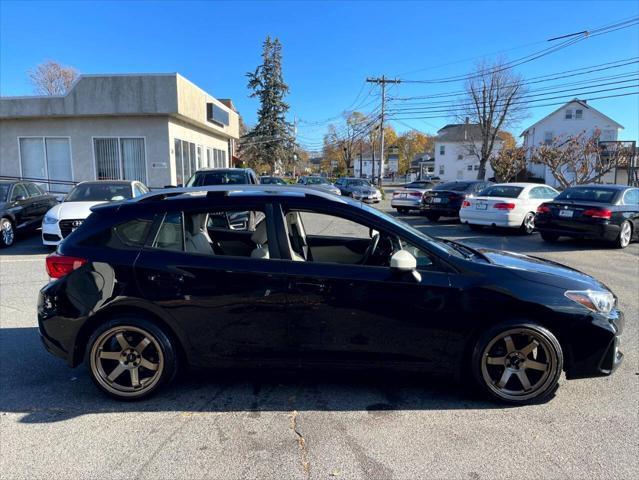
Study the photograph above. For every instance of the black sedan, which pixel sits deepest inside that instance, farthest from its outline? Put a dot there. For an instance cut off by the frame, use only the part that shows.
(322, 281)
(445, 199)
(601, 212)
(22, 207)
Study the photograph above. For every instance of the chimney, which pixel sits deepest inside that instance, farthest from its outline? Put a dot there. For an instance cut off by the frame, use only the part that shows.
(467, 120)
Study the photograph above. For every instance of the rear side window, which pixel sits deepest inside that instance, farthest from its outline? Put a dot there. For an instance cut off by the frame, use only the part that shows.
(33, 190)
(588, 194)
(170, 235)
(453, 186)
(122, 236)
(631, 197)
(503, 191)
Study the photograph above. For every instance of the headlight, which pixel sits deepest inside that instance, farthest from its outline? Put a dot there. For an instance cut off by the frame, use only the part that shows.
(48, 219)
(597, 301)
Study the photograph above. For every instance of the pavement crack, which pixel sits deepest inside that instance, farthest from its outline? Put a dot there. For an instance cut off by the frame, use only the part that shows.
(301, 445)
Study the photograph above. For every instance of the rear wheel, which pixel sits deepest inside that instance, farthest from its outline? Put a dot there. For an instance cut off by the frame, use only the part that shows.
(130, 358)
(528, 225)
(518, 363)
(7, 233)
(625, 234)
(433, 217)
(549, 237)
(475, 228)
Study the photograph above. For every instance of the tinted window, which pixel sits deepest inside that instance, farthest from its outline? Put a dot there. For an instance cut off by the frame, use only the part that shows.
(131, 233)
(218, 178)
(18, 191)
(316, 181)
(359, 183)
(33, 190)
(420, 185)
(453, 186)
(503, 191)
(170, 236)
(99, 192)
(588, 194)
(4, 191)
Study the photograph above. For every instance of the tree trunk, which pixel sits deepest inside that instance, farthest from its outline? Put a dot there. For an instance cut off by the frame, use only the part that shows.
(481, 173)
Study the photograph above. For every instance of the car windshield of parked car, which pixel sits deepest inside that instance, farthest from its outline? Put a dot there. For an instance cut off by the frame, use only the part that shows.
(217, 178)
(99, 192)
(453, 186)
(502, 191)
(359, 183)
(588, 194)
(4, 191)
(317, 181)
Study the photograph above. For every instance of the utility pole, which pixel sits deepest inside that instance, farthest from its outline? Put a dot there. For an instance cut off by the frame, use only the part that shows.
(382, 81)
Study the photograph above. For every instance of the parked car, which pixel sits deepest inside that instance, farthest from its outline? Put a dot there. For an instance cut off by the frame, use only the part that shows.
(359, 189)
(602, 212)
(223, 176)
(409, 197)
(22, 207)
(511, 205)
(136, 294)
(65, 217)
(445, 199)
(317, 182)
(270, 180)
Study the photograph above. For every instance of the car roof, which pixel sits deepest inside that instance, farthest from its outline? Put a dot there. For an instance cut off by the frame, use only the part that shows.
(109, 182)
(9, 182)
(214, 169)
(600, 185)
(520, 184)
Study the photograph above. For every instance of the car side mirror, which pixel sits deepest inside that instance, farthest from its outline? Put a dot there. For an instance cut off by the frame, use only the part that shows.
(404, 262)
(19, 198)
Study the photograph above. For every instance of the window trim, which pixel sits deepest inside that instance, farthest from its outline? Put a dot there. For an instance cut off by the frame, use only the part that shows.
(44, 152)
(95, 161)
(630, 190)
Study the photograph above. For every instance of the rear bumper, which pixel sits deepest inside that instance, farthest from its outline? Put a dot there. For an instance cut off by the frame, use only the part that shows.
(598, 231)
(596, 352)
(406, 203)
(497, 219)
(442, 210)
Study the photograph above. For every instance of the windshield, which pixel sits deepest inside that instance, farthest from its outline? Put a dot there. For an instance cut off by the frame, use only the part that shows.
(4, 191)
(435, 243)
(217, 178)
(502, 191)
(99, 192)
(359, 183)
(317, 181)
(272, 181)
(588, 194)
(453, 186)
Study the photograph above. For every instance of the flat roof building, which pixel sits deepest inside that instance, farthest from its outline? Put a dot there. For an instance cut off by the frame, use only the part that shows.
(156, 128)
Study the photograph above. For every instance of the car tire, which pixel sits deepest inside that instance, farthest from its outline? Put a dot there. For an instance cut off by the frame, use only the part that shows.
(528, 224)
(518, 363)
(625, 235)
(135, 346)
(432, 217)
(7, 233)
(475, 228)
(549, 237)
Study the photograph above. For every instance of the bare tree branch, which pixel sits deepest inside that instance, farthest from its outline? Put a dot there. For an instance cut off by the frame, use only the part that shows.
(52, 78)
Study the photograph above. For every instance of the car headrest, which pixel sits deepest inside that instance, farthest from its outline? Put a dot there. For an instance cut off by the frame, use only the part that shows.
(260, 236)
(196, 223)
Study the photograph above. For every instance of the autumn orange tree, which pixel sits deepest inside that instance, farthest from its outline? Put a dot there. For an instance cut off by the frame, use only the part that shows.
(508, 163)
(411, 144)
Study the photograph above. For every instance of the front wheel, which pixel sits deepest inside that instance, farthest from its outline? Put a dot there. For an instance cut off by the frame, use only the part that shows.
(518, 363)
(130, 358)
(7, 233)
(528, 224)
(625, 234)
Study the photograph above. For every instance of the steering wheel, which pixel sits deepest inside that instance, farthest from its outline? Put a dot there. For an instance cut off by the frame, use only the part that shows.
(372, 247)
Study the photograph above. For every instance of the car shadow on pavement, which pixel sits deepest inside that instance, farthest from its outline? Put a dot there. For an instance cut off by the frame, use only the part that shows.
(45, 390)
(27, 243)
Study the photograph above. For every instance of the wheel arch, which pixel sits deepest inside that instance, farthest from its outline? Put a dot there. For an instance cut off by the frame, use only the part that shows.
(105, 315)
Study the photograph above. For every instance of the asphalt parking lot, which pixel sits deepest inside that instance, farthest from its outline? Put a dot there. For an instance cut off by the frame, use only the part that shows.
(55, 424)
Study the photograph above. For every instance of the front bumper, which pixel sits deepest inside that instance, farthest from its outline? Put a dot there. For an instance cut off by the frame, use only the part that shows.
(368, 198)
(595, 352)
(51, 234)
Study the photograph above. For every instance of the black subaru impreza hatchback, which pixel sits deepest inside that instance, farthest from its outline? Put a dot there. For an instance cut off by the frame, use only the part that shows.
(166, 280)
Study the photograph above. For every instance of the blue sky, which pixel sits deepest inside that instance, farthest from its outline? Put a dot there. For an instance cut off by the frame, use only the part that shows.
(329, 47)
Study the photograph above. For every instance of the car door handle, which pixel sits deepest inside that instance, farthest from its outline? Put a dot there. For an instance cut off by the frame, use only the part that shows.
(310, 287)
(164, 280)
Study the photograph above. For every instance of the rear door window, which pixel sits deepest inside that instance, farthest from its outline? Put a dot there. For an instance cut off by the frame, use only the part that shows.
(170, 235)
(33, 190)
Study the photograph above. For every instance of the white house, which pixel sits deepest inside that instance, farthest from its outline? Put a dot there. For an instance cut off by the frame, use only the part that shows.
(569, 120)
(454, 157)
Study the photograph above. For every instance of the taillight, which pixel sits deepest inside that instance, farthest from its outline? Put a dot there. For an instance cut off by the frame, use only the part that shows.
(543, 209)
(598, 213)
(415, 194)
(465, 204)
(504, 206)
(60, 265)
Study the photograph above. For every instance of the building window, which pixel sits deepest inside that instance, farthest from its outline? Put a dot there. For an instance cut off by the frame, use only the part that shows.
(47, 159)
(476, 167)
(441, 169)
(469, 168)
(185, 161)
(569, 114)
(120, 158)
(198, 156)
(460, 157)
(579, 114)
(209, 157)
(442, 149)
(547, 138)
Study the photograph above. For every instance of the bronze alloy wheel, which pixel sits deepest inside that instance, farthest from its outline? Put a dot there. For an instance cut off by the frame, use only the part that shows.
(127, 361)
(521, 364)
